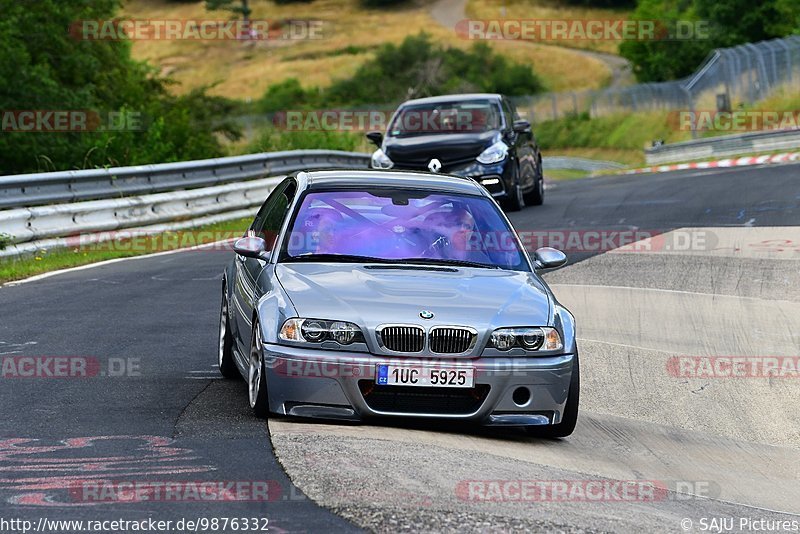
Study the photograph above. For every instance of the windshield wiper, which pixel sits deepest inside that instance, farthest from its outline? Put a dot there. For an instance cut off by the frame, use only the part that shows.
(443, 261)
(343, 258)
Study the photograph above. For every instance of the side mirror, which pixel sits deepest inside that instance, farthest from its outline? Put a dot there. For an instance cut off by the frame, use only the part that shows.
(376, 138)
(251, 247)
(522, 126)
(549, 258)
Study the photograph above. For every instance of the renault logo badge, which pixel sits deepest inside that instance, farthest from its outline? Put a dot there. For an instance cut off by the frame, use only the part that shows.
(435, 165)
(425, 314)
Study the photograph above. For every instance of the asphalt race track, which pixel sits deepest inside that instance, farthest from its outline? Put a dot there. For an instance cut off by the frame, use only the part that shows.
(720, 278)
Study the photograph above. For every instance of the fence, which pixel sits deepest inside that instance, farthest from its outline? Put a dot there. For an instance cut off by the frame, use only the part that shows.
(745, 73)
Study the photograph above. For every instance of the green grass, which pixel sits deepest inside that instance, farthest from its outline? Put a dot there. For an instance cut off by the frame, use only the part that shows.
(625, 156)
(558, 175)
(622, 137)
(62, 258)
(631, 131)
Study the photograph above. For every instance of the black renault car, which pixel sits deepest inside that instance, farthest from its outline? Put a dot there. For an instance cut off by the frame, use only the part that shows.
(475, 135)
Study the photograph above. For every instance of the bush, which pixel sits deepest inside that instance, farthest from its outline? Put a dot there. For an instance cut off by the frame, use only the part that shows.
(420, 68)
(286, 95)
(53, 70)
(415, 68)
(729, 23)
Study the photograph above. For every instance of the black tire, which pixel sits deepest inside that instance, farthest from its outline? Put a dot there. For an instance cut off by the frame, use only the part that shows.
(536, 196)
(259, 400)
(514, 200)
(570, 417)
(227, 365)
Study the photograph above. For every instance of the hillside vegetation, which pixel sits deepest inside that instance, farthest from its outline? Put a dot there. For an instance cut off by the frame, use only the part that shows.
(352, 33)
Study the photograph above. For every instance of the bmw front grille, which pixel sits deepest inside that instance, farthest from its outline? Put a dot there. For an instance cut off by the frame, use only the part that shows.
(402, 338)
(451, 339)
(440, 340)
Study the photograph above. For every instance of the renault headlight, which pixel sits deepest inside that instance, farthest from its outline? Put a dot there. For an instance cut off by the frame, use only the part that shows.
(495, 153)
(381, 161)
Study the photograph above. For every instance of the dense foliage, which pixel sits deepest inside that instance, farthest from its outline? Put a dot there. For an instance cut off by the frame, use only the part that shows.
(728, 23)
(46, 68)
(415, 68)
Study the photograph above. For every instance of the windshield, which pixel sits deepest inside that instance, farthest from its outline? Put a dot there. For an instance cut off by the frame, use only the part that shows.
(396, 225)
(446, 117)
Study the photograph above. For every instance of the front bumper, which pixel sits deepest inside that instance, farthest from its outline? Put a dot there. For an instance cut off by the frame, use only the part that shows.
(340, 385)
(496, 177)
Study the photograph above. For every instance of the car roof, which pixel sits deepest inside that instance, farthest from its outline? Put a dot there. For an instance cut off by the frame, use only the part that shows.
(453, 98)
(379, 178)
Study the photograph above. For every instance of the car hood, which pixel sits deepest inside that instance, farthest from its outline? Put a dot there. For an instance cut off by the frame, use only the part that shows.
(480, 298)
(448, 148)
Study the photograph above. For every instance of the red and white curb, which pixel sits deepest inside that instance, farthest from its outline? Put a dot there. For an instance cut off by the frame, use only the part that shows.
(735, 162)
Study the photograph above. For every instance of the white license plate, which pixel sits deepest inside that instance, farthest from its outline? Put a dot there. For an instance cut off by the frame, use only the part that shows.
(399, 375)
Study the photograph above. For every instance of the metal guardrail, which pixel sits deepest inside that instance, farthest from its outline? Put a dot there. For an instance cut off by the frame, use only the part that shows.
(23, 190)
(153, 198)
(579, 164)
(728, 145)
(41, 222)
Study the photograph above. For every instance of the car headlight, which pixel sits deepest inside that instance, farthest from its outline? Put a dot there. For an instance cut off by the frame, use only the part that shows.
(381, 160)
(495, 153)
(528, 338)
(302, 330)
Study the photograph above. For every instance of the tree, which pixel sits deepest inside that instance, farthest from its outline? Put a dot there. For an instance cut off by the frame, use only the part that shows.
(741, 21)
(46, 68)
(729, 23)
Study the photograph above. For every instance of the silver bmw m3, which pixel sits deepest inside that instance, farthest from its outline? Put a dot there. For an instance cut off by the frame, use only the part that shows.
(366, 294)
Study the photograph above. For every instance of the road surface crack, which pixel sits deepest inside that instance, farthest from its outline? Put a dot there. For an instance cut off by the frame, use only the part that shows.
(186, 407)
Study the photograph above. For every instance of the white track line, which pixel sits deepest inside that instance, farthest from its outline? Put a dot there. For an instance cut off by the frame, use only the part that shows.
(109, 262)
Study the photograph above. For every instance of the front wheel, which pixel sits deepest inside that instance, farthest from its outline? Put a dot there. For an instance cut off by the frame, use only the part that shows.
(570, 416)
(257, 376)
(227, 367)
(536, 196)
(514, 200)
